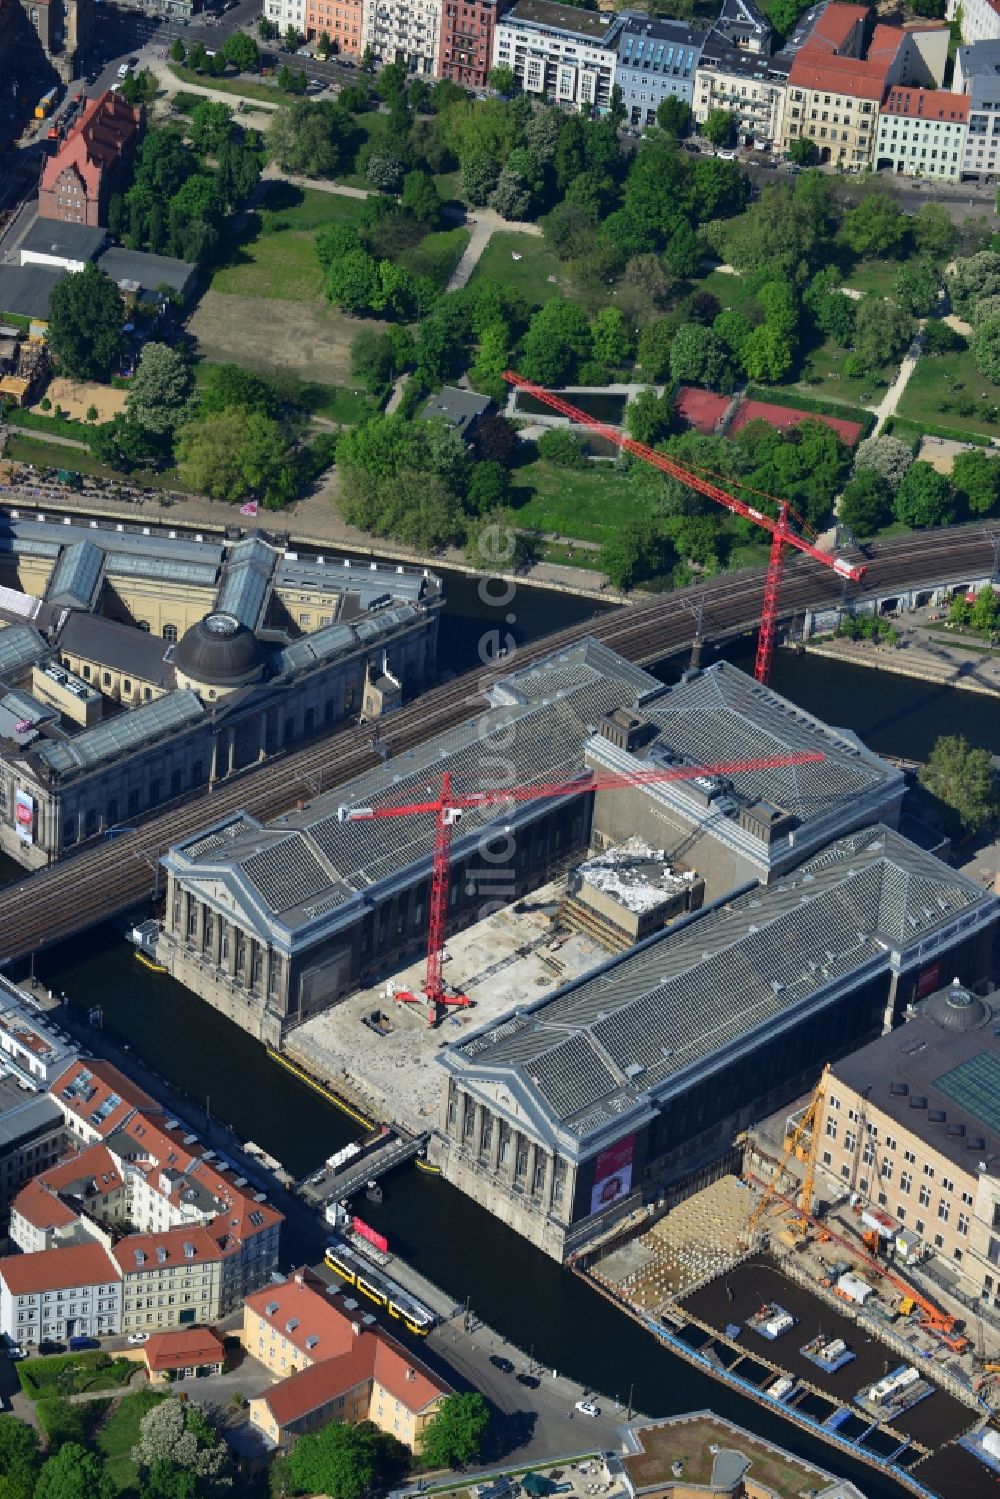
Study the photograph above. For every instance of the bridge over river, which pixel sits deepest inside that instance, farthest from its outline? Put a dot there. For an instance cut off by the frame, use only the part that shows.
(107, 876)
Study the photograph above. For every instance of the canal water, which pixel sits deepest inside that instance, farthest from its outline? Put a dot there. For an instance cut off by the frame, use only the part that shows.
(511, 1286)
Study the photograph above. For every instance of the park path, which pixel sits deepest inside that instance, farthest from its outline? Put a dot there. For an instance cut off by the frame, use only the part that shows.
(894, 394)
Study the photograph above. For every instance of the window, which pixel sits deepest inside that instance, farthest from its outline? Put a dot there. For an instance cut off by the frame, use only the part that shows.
(944, 1210)
(947, 1185)
(967, 1199)
(963, 1224)
(831, 1128)
(850, 1142)
(909, 1156)
(929, 1171)
(905, 1181)
(925, 1197)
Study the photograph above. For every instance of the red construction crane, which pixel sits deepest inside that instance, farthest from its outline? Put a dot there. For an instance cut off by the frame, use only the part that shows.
(450, 805)
(779, 526)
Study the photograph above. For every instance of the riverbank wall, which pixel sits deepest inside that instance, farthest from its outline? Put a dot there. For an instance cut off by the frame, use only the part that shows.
(975, 674)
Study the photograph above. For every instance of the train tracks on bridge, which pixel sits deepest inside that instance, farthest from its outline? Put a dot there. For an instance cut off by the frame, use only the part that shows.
(105, 878)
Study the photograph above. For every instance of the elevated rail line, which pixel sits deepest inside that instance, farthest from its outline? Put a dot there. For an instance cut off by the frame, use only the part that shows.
(106, 877)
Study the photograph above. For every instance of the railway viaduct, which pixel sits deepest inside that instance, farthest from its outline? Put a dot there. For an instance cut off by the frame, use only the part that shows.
(106, 877)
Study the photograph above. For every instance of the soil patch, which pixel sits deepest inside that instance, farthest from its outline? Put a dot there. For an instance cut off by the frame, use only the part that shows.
(77, 396)
(310, 339)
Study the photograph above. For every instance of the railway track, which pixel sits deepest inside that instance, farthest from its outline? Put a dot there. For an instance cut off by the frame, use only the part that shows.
(106, 877)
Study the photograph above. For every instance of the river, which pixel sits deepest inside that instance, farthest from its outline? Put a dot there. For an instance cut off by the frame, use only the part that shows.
(510, 1285)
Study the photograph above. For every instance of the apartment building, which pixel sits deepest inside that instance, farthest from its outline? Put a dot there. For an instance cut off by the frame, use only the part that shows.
(980, 19)
(330, 1368)
(559, 53)
(911, 1125)
(32, 1136)
(170, 1279)
(340, 20)
(656, 59)
(750, 85)
(32, 1047)
(923, 133)
(285, 13)
(406, 31)
(977, 76)
(466, 45)
(53, 1208)
(834, 101)
(92, 163)
(59, 1293)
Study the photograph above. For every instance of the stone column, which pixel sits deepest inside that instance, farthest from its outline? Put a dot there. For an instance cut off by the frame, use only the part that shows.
(265, 973)
(199, 927)
(232, 752)
(512, 1159)
(214, 767)
(262, 740)
(532, 1164)
(547, 1184)
(217, 926)
(495, 1147)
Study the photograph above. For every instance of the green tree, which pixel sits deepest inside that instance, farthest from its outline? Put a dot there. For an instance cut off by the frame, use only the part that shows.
(780, 233)
(421, 198)
(308, 139)
(85, 324)
(924, 497)
(178, 51)
(267, 30)
(557, 340)
(767, 354)
(875, 227)
(488, 488)
(511, 198)
(866, 504)
(916, 286)
(654, 349)
(719, 127)
(804, 151)
(159, 389)
(961, 779)
(237, 454)
(452, 1437)
(882, 331)
(486, 372)
(384, 171)
(391, 82)
(933, 231)
(697, 357)
(611, 337)
(986, 349)
(228, 385)
(635, 551)
(480, 174)
(242, 51)
(211, 126)
(502, 80)
(674, 116)
(197, 57)
(292, 39)
(377, 358)
(74, 1473)
(493, 542)
(649, 416)
(561, 446)
(985, 612)
(973, 278)
(976, 476)
(19, 1458)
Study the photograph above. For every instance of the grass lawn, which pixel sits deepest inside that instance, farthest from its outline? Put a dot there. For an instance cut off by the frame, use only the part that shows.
(449, 185)
(437, 255)
(873, 275)
(76, 460)
(242, 88)
(370, 127)
(732, 292)
(339, 404)
(937, 386)
(119, 1434)
(278, 259)
(73, 1374)
(581, 503)
(569, 556)
(822, 374)
(530, 274)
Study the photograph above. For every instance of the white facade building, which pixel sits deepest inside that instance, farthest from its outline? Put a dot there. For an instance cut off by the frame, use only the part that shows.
(557, 52)
(977, 75)
(59, 1293)
(32, 1048)
(409, 30)
(980, 19)
(285, 13)
(922, 133)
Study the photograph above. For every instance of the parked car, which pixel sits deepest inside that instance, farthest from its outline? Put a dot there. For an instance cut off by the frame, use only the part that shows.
(726, 155)
(588, 1408)
(123, 70)
(503, 1364)
(15, 1352)
(530, 1381)
(138, 1337)
(78, 1345)
(49, 1345)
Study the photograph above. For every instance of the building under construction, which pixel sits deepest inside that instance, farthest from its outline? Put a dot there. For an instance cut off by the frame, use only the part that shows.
(576, 1112)
(272, 925)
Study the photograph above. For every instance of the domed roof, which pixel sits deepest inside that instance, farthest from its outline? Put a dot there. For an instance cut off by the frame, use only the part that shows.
(956, 1008)
(219, 650)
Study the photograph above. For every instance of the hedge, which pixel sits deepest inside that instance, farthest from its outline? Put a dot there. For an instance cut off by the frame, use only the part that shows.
(815, 404)
(905, 427)
(60, 425)
(15, 320)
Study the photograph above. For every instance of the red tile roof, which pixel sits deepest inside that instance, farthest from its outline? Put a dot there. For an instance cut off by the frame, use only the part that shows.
(184, 1349)
(837, 75)
(926, 104)
(171, 1242)
(95, 1162)
(106, 127)
(835, 26)
(57, 1269)
(41, 1207)
(303, 1300)
(293, 1398)
(105, 1081)
(885, 44)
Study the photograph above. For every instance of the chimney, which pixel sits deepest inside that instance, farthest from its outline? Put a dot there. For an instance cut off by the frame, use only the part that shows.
(356, 1329)
(299, 1278)
(411, 1373)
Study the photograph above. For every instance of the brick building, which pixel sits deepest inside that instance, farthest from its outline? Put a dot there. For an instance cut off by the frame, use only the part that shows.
(92, 163)
(466, 40)
(339, 19)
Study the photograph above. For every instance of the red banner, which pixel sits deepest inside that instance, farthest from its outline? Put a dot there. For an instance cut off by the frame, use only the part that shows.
(929, 980)
(365, 1231)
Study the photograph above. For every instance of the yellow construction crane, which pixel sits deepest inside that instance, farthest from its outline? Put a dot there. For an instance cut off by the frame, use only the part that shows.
(812, 1119)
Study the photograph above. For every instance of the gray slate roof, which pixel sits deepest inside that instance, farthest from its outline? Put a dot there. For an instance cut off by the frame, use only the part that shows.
(590, 1053)
(306, 865)
(76, 577)
(106, 741)
(55, 237)
(25, 289)
(121, 647)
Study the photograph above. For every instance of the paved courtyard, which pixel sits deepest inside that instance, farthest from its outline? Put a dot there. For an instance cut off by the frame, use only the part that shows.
(386, 1049)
